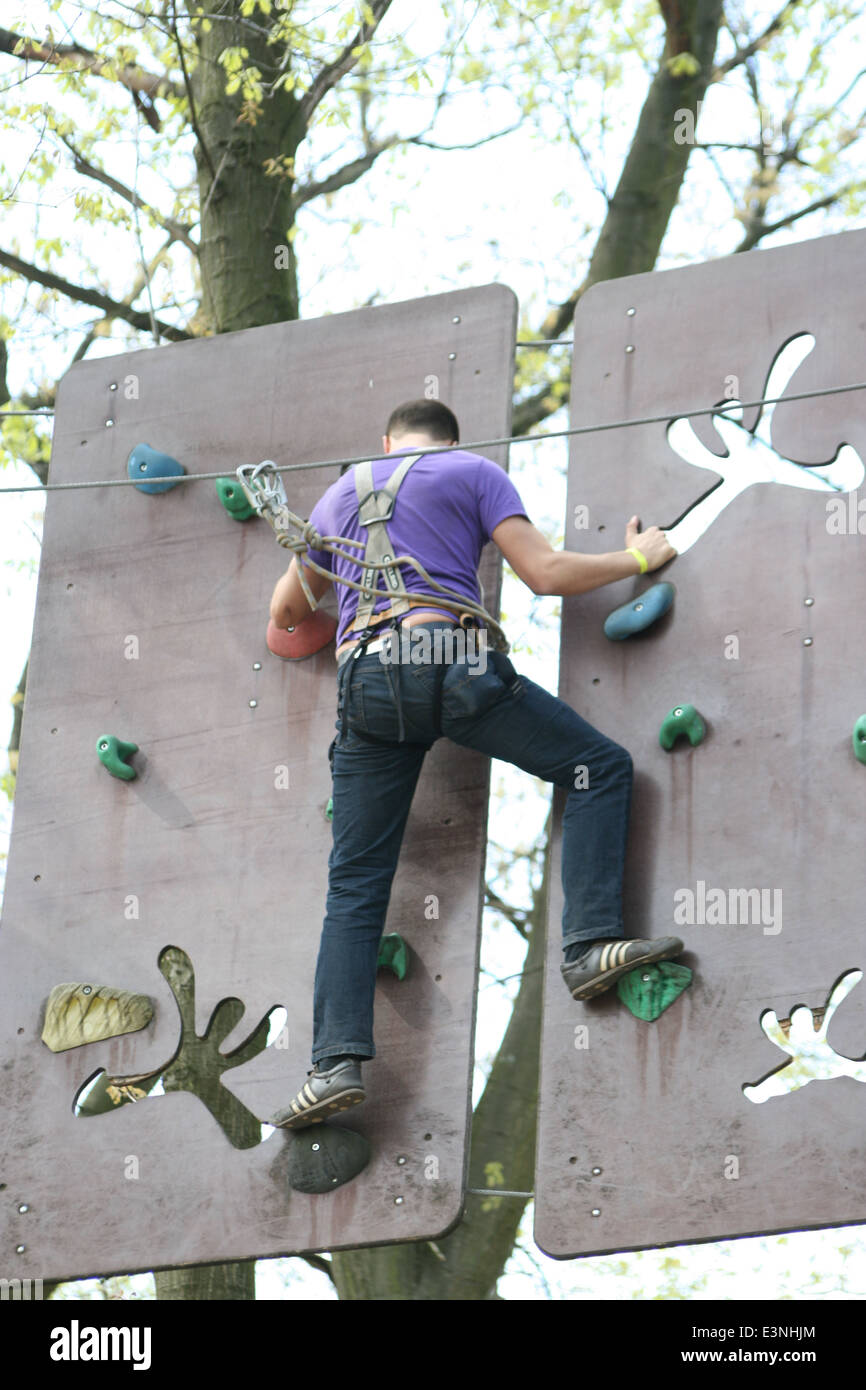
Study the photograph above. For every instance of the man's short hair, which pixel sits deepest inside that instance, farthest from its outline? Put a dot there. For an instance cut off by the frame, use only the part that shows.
(433, 417)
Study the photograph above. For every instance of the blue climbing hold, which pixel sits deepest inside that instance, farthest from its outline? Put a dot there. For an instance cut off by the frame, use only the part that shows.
(149, 464)
(640, 613)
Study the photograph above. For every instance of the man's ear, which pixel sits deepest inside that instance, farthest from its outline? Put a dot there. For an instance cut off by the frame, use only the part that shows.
(386, 443)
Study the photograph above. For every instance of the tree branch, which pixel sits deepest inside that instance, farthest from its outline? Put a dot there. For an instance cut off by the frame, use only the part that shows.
(111, 308)
(177, 231)
(349, 173)
(742, 54)
(189, 96)
(759, 230)
(140, 83)
(332, 73)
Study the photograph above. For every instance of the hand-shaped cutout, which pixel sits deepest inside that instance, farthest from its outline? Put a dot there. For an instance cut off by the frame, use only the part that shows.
(804, 1037)
(750, 457)
(198, 1064)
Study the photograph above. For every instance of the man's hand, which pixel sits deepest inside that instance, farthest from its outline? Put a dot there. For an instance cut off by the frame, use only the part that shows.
(289, 605)
(652, 543)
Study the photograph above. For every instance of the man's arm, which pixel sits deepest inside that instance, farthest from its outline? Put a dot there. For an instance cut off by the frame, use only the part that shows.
(289, 605)
(565, 572)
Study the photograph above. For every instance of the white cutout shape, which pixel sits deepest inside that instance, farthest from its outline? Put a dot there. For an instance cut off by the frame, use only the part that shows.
(805, 1041)
(750, 456)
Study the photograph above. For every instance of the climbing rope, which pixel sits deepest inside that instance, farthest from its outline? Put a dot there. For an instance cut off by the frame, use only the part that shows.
(264, 487)
(505, 441)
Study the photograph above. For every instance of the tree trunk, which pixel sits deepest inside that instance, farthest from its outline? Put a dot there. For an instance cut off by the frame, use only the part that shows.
(651, 181)
(467, 1264)
(248, 268)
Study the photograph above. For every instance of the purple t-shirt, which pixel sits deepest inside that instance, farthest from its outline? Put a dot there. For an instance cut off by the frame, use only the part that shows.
(447, 507)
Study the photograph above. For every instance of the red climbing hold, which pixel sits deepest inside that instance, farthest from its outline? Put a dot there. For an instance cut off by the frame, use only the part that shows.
(309, 637)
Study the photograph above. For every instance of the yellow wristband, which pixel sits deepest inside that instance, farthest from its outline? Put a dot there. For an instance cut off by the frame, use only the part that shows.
(639, 556)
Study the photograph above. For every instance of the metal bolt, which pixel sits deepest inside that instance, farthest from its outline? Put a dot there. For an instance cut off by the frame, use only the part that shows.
(456, 318)
(596, 1171)
(638, 607)
(315, 1148)
(807, 641)
(253, 704)
(630, 312)
(452, 356)
(113, 386)
(677, 712)
(19, 1249)
(596, 1211)
(629, 348)
(86, 989)
(23, 1207)
(401, 1159)
(108, 424)
(808, 602)
(398, 1201)
(290, 629)
(257, 665)
(646, 978)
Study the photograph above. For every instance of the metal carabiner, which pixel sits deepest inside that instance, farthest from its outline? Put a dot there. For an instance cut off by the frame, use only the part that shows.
(264, 488)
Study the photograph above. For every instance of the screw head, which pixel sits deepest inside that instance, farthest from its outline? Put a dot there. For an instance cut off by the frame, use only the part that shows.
(19, 1249)
(638, 607)
(315, 1148)
(253, 704)
(596, 1211)
(807, 641)
(86, 989)
(113, 386)
(597, 1171)
(257, 665)
(677, 713)
(452, 356)
(630, 312)
(646, 978)
(398, 1201)
(108, 424)
(630, 347)
(401, 1160)
(456, 318)
(23, 1207)
(808, 602)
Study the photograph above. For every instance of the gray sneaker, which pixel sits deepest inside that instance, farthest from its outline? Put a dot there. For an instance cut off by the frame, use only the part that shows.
(324, 1094)
(603, 964)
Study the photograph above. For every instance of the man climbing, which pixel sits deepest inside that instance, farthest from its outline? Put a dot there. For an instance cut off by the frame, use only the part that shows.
(389, 713)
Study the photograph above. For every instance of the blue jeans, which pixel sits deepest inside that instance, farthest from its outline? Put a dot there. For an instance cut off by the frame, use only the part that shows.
(498, 713)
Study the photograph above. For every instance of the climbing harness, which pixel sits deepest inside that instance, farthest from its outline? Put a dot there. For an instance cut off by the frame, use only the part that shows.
(263, 486)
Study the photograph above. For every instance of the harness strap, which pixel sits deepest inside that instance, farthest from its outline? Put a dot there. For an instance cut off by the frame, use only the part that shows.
(375, 508)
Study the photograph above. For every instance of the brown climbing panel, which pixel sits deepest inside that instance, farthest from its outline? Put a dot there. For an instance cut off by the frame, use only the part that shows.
(646, 1137)
(208, 850)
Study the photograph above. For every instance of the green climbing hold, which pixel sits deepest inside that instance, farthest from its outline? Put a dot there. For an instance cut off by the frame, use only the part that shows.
(234, 499)
(329, 809)
(393, 955)
(859, 739)
(649, 990)
(114, 754)
(640, 613)
(685, 721)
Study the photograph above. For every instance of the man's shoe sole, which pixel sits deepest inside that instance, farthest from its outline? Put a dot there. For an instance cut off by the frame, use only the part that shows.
(318, 1112)
(602, 982)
